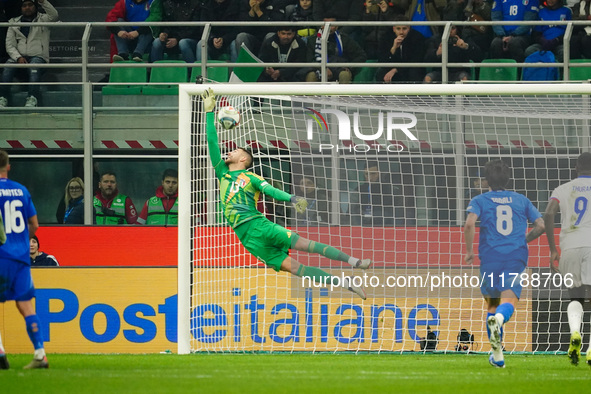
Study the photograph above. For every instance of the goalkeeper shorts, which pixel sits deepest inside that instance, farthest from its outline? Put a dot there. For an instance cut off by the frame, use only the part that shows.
(267, 241)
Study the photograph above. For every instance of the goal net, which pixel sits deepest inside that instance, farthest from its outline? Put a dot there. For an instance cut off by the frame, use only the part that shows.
(388, 172)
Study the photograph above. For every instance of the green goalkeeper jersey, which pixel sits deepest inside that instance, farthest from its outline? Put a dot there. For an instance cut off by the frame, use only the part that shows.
(239, 190)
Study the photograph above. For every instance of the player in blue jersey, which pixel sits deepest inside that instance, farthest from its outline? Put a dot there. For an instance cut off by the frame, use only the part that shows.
(502, 248)
(550, 37)
(511, 41)
(20, 223)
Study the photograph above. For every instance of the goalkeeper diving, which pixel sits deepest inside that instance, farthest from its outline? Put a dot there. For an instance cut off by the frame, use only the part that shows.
(267, 241)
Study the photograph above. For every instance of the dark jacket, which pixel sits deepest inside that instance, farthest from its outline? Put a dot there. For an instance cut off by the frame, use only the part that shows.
(212, 11)
(342, 10)
(181, 11)
(271, 51)
(455, 54)
(75, 211)
(271, 13)
(44, 260)
(352, 52)
(412, 50)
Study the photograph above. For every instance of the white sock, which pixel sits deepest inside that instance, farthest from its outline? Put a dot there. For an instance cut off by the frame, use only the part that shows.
(575, 316)
(1, 347)
(353, 261)
(39, 354)
(498, 354)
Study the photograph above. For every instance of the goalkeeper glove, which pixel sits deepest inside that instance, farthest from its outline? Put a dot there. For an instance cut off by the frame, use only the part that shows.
(208, 100)
(300, 204)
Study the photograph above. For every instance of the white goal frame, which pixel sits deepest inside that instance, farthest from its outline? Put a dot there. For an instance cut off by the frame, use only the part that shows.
(270, 89)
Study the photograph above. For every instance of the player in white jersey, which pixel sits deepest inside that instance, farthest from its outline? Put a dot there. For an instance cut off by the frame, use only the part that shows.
(573, 200)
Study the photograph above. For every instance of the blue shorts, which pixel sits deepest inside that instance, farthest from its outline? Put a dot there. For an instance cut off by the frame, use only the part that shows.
(16, 282)
(498, 277)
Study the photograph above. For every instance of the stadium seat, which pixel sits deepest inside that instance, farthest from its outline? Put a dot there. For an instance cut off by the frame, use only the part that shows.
(126, 75)
(217, 74)
(366, 74)
(580, 73)
(172, 76)
(505, 73)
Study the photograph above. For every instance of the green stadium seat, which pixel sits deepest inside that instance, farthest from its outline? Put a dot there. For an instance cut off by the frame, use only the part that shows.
(505, 73)
(172, 76)
(580, 73)
(126, 75)
(366, 74)
(217, 74)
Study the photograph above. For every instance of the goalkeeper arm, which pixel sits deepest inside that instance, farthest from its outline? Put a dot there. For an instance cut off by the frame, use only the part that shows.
(215, 155)
(300, 203)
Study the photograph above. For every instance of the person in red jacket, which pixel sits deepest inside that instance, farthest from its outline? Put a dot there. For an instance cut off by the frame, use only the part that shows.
(162, 209)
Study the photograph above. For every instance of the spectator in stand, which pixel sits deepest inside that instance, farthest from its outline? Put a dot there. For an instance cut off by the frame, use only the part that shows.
(220, 37)
(550, 37)
(74, 199)
(423, 11)
(317, 212)
(110, 206)
(40, 259)
(285, 46)
(341, 49)
(372, 204)
(403, 45)
(459, 51)
(580, 43)
(178, 39)
(162, 209)
(131, 39)
(476, 11)
(342, 10)
(378, 11)
(511, 41)
(302, 12)
(28, 45)
(252, 37)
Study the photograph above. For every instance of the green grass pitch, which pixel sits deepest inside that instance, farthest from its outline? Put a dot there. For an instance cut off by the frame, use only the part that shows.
(303, 373)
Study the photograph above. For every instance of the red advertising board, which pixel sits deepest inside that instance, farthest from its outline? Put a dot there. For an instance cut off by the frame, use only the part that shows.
(145, 246)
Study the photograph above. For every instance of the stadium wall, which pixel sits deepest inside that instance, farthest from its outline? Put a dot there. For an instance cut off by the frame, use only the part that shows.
(116, 292)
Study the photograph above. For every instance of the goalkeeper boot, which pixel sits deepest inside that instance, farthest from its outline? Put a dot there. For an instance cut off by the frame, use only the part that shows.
(363, 264)
(588, 356)
(574, 349)
(357, 290)
(496, 364)
(37, 364)
(3, 361)
(495, 332)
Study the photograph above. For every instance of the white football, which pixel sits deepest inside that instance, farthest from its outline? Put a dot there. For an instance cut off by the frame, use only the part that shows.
(229, 117)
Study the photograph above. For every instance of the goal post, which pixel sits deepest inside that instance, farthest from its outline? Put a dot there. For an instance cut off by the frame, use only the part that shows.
(389, 170)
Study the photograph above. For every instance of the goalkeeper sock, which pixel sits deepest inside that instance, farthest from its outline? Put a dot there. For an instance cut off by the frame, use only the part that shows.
(330, 252)
(574, 312)
(34, 331)
(316, 274)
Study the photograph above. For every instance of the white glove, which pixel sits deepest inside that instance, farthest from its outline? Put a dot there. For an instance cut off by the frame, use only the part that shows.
(208, 100)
